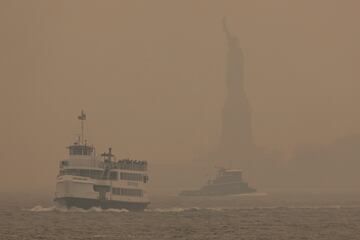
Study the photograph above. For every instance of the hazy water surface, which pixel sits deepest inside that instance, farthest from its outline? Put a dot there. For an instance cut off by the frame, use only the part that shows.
(259, 216)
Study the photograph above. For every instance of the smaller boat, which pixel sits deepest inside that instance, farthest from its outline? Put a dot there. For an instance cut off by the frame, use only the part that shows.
(227, 182)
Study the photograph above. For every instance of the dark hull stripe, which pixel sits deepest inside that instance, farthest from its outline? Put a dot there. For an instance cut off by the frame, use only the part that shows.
(86, 203)
(213, 192)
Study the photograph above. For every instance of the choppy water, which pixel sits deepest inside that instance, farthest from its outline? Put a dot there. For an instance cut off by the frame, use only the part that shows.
(259, 216)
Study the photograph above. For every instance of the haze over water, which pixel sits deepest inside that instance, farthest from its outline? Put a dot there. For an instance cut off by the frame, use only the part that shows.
(152, 79)
(270, 87)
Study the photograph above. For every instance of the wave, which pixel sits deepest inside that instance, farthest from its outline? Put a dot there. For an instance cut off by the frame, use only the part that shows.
(189, 209)
(220, 209)
(173, 209)
(39, 208)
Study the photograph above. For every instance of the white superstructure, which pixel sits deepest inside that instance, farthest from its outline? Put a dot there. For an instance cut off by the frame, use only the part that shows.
(86, 180)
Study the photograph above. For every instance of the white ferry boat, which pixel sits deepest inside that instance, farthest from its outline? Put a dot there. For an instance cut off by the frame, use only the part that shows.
(86, 180)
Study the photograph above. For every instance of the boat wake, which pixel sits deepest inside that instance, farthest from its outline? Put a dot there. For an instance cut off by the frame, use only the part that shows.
(188, 209)
(250, 208)
(255, 194)
(39, 208)
(173, 210)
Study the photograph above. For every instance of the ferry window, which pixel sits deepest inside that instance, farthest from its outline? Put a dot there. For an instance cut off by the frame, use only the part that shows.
(128, 192)
(131, 176)
(87, 151)
(85, 172)
(64, 163)
(101, 188)
(131, 192)
(97, 174)
(113, 175)
(77, 172)
(116, 191)
(80, 150)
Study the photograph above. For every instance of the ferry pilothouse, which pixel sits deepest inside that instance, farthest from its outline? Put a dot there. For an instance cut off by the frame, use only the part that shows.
(86, 180)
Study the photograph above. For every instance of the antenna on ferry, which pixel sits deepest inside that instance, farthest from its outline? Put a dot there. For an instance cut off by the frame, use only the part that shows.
(108, 155)
(82, 118)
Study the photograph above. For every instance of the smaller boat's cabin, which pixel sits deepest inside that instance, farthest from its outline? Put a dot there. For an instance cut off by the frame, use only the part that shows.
(228, 175)
(231, 173)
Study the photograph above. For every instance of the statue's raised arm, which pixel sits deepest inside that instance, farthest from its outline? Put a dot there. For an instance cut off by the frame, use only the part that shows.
(231, 39)
(226, 30)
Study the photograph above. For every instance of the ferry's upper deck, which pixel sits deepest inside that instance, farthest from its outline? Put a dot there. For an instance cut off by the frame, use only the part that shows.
(83, 161)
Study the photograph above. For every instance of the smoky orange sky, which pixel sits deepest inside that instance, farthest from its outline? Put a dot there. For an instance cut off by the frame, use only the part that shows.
(151, 77)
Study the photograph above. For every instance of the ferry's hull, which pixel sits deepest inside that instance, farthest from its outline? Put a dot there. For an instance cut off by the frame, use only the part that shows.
(87, 203)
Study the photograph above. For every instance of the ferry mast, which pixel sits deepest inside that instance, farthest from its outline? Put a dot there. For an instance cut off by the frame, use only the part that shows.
(82, 118)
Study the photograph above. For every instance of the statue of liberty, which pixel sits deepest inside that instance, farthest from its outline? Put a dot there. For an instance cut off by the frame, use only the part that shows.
(236, 143)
